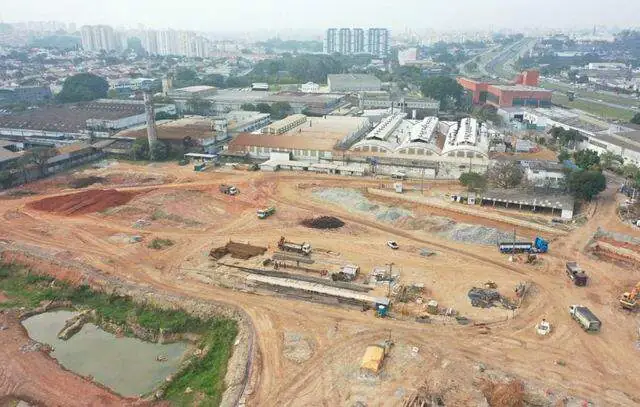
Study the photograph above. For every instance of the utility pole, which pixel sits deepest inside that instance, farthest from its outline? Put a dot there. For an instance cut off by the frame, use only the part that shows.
(389, 280)
(422, 182)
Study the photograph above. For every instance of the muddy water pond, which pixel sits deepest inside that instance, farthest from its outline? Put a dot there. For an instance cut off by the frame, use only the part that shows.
(128, 366)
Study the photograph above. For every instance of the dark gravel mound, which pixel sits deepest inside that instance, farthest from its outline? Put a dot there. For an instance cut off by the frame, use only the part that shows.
(323, 222)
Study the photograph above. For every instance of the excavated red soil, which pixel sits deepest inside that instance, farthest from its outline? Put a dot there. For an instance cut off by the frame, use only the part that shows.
(95, 200)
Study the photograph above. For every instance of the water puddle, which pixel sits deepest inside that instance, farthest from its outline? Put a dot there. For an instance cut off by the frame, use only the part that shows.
(128, 366)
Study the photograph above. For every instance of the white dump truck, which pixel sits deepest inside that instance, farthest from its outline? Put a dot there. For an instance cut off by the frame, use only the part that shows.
(585, 318)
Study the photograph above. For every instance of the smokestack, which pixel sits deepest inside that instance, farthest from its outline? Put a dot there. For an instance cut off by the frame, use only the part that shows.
(151, 118)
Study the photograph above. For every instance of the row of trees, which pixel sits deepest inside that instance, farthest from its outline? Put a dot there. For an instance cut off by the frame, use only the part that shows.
(583, 183)
(444, 89)
(278, 110)
(37, 158)
(83, 87)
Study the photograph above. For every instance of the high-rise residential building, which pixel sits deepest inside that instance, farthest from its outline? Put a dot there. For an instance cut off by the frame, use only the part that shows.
(99, 37)
(330, 40)
(378, 42)
(357, 41)
(170, 42)
(354, 41)
(150, 42)
(344, 41)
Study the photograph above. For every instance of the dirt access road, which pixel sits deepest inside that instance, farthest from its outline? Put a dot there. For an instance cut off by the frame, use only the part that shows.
(597, 367)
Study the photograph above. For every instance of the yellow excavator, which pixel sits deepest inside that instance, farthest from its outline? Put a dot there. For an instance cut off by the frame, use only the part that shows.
(631, 301)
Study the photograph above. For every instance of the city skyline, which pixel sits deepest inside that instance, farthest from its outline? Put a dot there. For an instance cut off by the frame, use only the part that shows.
(251, 15)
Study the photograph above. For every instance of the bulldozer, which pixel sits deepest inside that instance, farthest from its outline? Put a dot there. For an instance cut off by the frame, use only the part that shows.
(629, 300)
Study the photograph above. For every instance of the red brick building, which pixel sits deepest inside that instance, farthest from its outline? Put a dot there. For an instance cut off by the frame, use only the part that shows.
(523, 93)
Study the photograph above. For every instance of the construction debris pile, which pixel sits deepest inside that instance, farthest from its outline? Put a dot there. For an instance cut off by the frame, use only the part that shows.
(488, 297)
(237, 250)
(409, 293)
(86, 181)
(424, 398)
(509, 394)
(323, 222)
(95, 200)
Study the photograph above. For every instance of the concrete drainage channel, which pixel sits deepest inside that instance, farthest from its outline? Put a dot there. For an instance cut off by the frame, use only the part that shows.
(354, 201)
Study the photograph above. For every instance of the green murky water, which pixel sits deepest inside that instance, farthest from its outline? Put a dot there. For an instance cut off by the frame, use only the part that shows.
(128, 366)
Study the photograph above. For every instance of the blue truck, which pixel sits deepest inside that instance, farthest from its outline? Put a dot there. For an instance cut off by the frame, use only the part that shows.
(537, 246)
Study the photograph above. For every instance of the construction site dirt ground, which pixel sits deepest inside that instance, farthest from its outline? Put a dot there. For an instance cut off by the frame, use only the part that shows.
(308, 353)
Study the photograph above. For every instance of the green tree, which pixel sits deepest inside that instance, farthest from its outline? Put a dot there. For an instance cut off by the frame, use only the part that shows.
(444, 89)
(40, 157)
(473, 181)
(186, 76)
(135, 45)
(486, 113)
(563, 156)
(158, 151)
(505, 174)
(263, 108)
(280, 110)
(7, 178)
(140, 149)
(249, 107)
(635, 119)
(566, 138)
(585, 185)
(586, 159)
(82, 87)
(215, 79)
(610, 161)
(630, 171)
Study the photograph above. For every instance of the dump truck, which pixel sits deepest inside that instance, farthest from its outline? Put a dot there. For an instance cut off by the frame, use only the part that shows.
(576, 274)
(303, 248)
(630, 300)
(537, 246)
(266, 212)
(228, 189)
(585, 318)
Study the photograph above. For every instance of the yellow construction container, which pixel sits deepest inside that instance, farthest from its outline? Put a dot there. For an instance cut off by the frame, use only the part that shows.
(372, 359)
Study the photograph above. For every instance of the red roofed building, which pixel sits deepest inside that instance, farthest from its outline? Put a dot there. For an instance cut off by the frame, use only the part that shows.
(524, 92)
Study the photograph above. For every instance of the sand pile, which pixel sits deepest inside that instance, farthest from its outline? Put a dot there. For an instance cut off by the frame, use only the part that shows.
(83, 202)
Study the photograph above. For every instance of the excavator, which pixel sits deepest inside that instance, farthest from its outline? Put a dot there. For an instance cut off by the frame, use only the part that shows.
(631, 301)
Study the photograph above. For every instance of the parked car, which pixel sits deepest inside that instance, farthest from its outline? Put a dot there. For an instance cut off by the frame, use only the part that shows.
(392, 244)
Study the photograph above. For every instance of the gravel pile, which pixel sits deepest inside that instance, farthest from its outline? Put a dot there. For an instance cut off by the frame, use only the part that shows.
(354, 201)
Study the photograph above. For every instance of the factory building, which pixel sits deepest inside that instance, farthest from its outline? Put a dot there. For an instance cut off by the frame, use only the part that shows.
(102, 117)
(453, 148)
(353, 83)
(523, 92)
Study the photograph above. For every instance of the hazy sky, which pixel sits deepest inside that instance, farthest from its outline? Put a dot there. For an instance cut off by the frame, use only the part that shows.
(250, 15)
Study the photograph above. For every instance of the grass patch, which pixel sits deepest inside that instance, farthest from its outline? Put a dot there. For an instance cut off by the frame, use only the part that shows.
(205, 375)
(160, 244)
(606, 112)
(160, 214)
